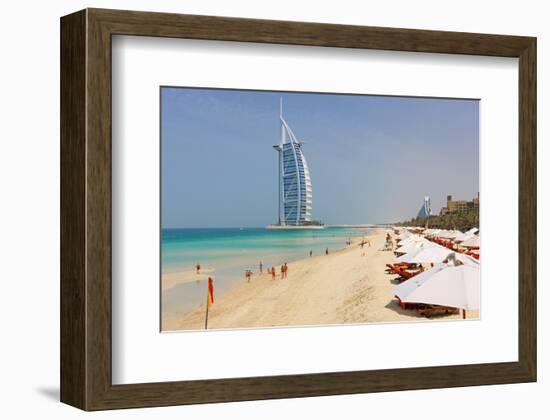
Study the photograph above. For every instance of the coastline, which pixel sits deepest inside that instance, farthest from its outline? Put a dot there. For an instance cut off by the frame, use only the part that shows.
(234, 266)
(340, 288)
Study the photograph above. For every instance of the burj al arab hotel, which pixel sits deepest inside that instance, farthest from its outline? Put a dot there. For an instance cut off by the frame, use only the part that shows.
(295, 190)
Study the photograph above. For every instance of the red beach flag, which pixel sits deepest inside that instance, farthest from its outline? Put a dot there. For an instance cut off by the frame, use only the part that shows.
(210, 291)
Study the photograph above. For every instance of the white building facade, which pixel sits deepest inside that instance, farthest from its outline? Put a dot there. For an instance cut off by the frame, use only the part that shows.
(295, 190)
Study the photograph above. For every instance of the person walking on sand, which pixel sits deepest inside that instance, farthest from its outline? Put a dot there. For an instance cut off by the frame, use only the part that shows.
(198, 268)
(248, 274)
(310, 252)
(261, 268)
(282, 271)
(286, 270)
(273, 273)
(326, 251)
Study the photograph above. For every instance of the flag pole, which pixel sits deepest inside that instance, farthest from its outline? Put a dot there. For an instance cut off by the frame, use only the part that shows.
(209, 299)
(207, 305)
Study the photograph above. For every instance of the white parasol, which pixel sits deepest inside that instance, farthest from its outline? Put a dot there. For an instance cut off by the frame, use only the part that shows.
(472, 242)
(455, 287)
(432, 254)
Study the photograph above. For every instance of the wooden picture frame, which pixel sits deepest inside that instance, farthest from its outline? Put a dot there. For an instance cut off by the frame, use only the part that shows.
(86, 224)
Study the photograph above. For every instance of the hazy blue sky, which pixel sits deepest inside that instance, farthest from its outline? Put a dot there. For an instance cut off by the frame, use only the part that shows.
(372, 158)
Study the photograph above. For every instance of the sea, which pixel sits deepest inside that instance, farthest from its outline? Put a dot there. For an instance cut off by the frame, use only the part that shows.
(225, 253)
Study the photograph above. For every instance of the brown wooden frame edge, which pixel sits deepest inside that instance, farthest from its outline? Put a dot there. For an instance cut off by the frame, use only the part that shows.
(86, 208)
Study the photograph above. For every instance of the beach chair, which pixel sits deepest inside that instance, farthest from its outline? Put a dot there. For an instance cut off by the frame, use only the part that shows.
(431, 310)
(405, 305)
(406, 275)
(403, 272)
(393, 268)
(389, 268)
(397, 268)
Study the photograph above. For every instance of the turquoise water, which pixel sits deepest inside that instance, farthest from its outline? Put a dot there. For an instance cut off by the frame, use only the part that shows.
(225, 253)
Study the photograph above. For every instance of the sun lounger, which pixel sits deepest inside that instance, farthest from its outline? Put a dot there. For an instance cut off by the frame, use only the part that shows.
(402, 271)
(405, 275)
(427, 310)
(430, 310)
(394, 268)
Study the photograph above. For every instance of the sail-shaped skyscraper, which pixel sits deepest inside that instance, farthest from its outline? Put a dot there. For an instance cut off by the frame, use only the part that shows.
(295, 190)
(426, 209)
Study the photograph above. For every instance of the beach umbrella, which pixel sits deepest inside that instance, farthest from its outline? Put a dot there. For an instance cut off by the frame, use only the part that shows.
(432, 254)
(462, 237)
(455, 287)
(465, 259)
(404, 289)
(403, 235)
(472, 242)
(433, 232)
(467, 235)
(413, 246)
(411, 239)
(450, 234)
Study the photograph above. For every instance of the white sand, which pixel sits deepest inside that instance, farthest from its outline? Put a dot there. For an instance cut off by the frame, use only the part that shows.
(172, 279)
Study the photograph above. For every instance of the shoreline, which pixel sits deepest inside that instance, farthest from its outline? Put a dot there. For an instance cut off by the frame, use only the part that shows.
(183, 275)
(344, 287)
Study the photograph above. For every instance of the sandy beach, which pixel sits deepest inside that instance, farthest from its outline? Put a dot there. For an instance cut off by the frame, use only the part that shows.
(342, 287)
(172, 279)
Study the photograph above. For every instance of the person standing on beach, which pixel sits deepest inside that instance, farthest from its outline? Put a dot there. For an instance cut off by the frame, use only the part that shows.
(273, 273)
(310, 252)
(261, 268)
(248, 274)
(326, 251)
(198, 267)
(286, 270)
(282, 271)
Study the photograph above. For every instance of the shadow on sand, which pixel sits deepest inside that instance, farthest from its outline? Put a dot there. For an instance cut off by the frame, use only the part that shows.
(411, 313)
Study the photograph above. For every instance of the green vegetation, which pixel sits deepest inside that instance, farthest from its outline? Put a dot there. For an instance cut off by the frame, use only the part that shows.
(461, 221)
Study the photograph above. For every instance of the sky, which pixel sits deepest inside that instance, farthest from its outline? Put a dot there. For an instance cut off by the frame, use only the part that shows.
(372, 159)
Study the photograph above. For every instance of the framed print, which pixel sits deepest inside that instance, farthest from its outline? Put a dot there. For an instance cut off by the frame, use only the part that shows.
(257, 209)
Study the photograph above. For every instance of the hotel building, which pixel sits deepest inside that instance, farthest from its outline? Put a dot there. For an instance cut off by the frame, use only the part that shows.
(459, 206)
(295, 192)
(426, 209)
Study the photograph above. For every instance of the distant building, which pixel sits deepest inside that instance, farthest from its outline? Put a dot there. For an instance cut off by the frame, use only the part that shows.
(426, 209)
(459, 206)
(295, 191)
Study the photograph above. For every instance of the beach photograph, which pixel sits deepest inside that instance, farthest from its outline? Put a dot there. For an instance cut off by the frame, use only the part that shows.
(298, 209)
